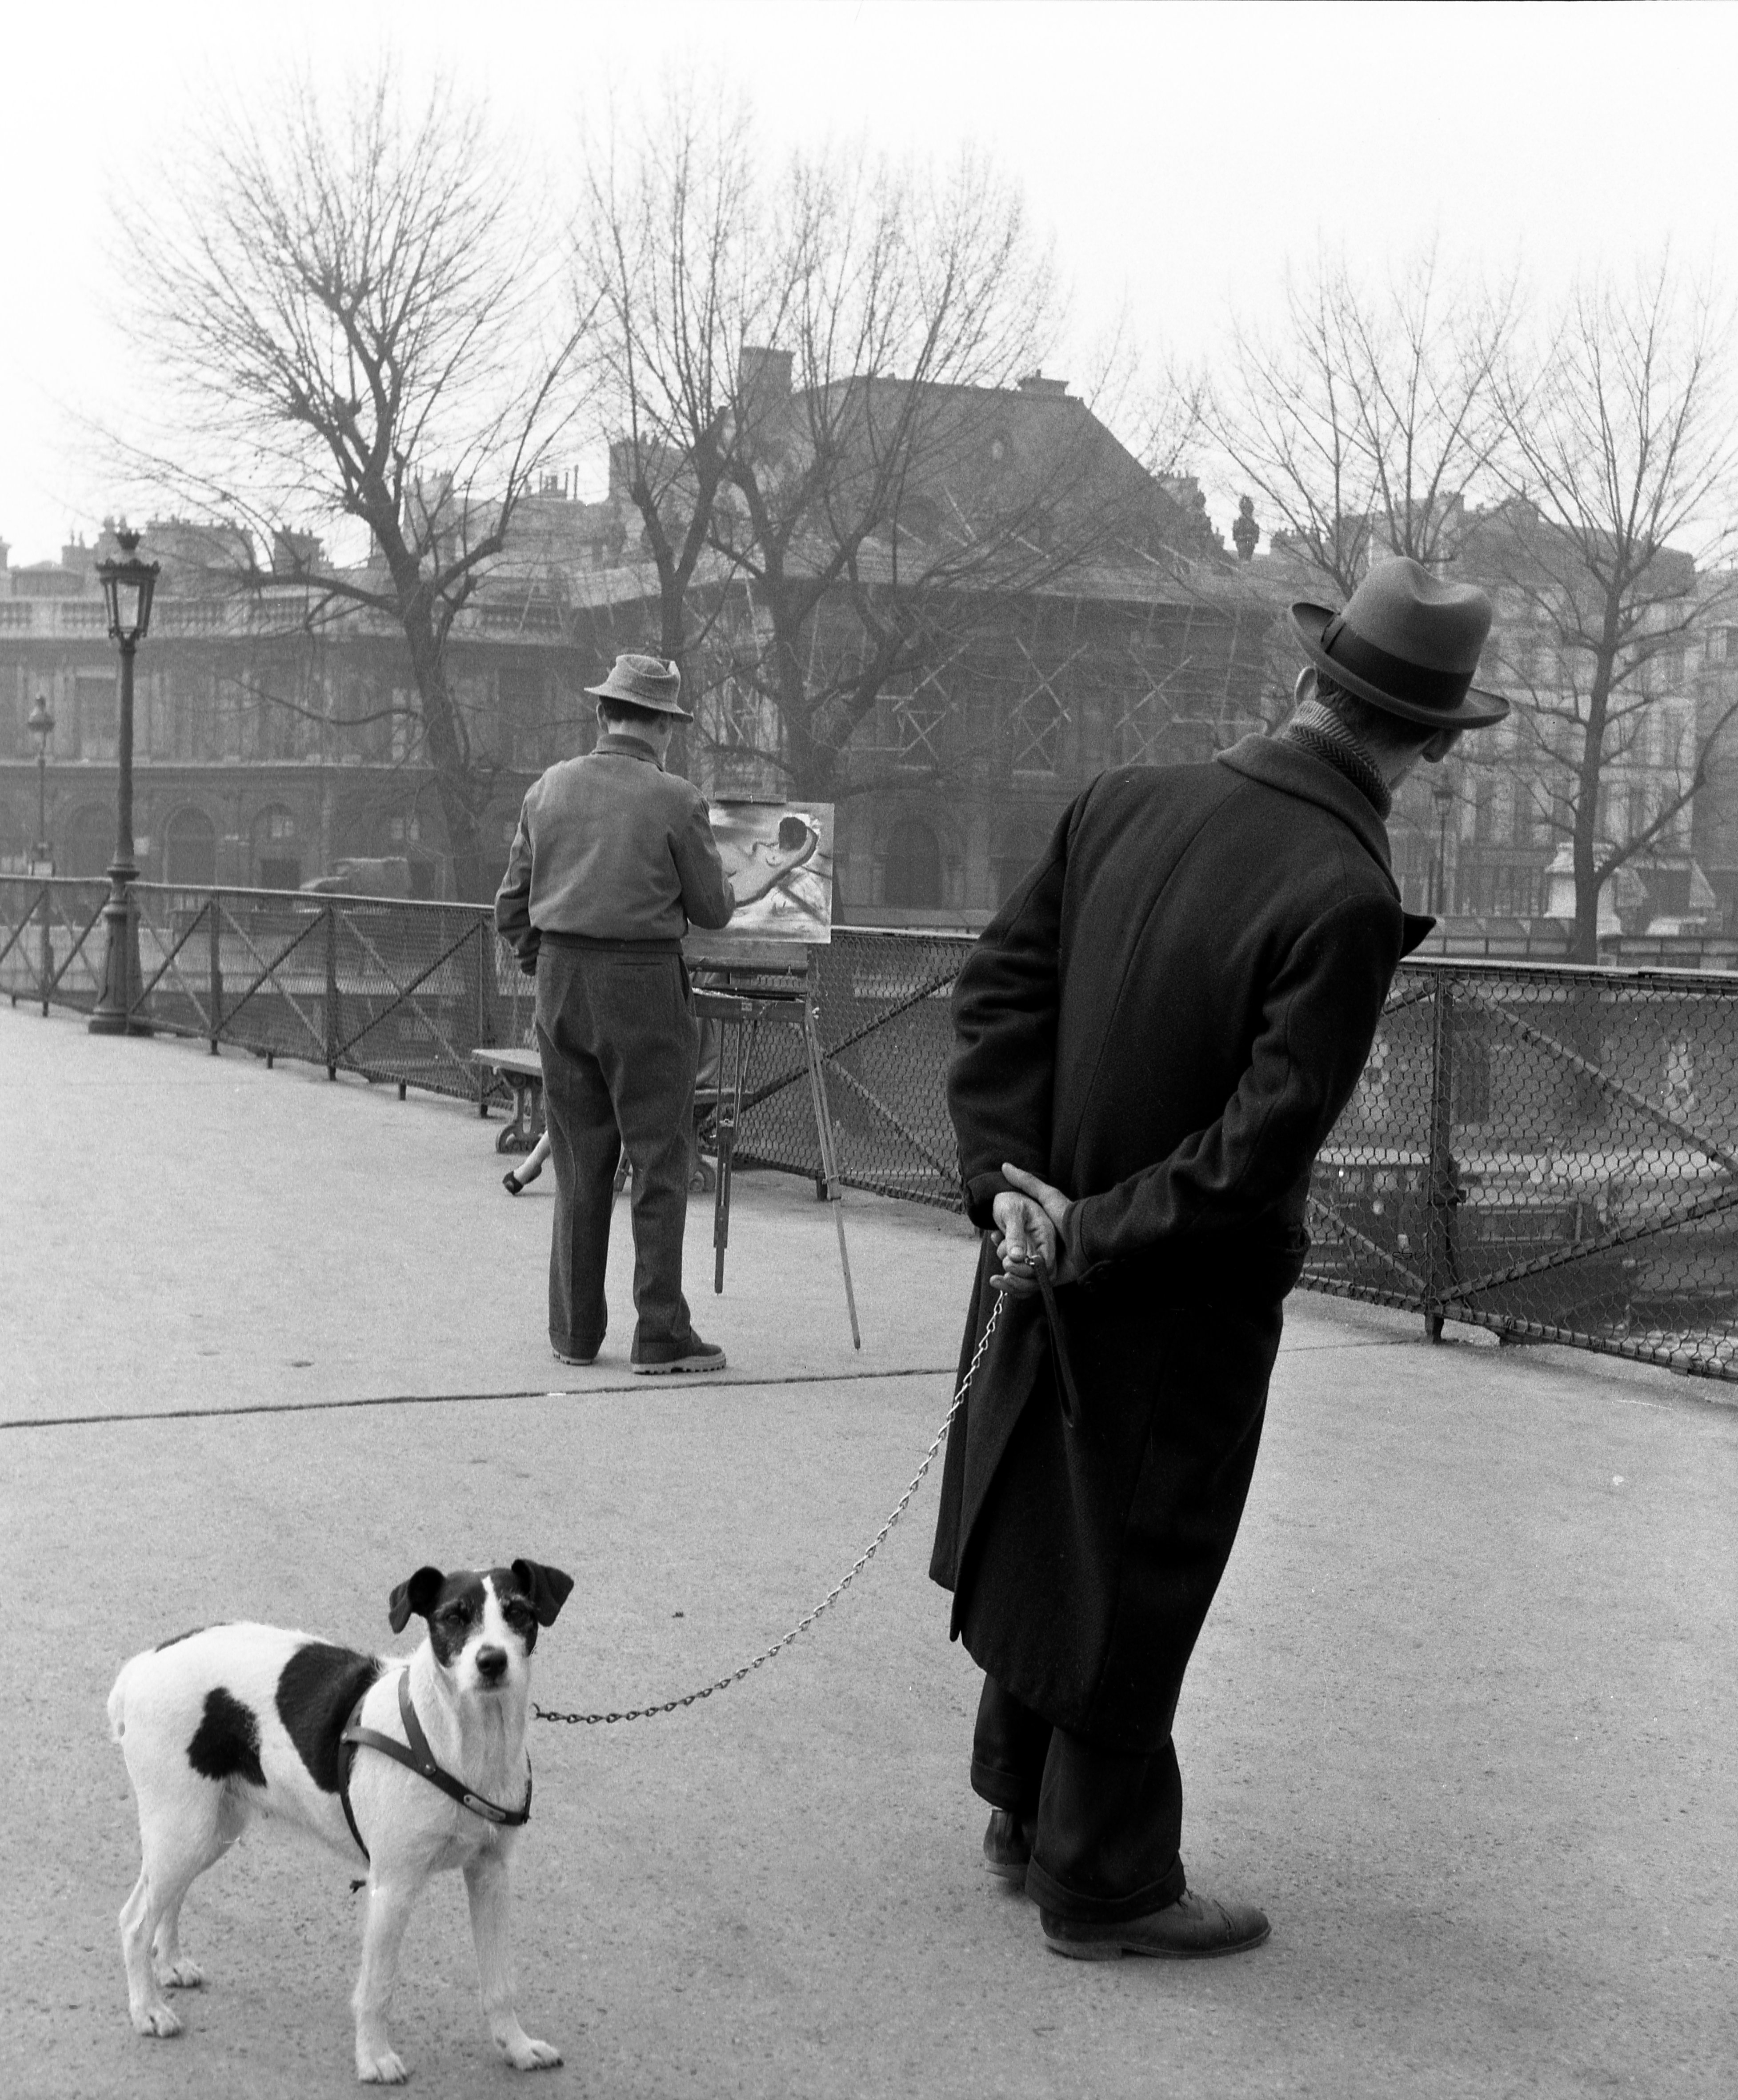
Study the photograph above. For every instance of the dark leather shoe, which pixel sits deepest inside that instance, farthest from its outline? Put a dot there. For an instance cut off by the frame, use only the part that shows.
(1007, 1846)
(1193, 1927)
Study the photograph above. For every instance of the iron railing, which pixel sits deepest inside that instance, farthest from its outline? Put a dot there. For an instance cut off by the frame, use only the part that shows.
(395, 990)
(882, 1010)
(1549, 1152)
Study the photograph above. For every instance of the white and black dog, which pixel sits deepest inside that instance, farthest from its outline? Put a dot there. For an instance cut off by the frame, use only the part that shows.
(233, 1722)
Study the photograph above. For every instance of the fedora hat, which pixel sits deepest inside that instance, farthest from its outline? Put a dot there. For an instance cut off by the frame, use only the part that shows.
(1408, 644)
(644, 682)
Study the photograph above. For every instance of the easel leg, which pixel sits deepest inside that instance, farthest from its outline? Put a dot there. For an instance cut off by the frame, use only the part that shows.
(823, 1126)
(729, 1117)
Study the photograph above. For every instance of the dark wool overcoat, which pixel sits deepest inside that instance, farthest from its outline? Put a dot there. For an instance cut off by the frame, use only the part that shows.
(1164, 1020)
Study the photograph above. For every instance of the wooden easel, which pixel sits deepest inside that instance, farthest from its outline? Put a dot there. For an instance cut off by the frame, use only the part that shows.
(768, 987)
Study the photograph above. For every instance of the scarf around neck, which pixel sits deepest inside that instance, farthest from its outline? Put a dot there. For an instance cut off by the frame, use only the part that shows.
(1319, 731)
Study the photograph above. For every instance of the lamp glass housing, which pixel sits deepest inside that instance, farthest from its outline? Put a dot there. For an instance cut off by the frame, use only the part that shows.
(41, 724)
(128, 585)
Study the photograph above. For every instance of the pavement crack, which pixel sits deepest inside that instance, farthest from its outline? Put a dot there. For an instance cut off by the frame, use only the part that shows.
(634, 1385)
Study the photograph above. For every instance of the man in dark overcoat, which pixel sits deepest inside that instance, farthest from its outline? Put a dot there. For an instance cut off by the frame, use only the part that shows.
(1155, 1035)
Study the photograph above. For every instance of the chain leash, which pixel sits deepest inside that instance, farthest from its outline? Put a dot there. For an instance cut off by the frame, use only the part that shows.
(832, 1596)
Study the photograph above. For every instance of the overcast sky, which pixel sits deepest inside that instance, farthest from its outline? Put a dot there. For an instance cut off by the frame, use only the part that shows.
(1178, 154)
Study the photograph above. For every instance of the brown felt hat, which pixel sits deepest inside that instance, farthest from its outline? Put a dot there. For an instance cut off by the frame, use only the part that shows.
(1408, 644)
(644, 682)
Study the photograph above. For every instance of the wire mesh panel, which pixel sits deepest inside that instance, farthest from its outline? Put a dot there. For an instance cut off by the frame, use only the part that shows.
(1548, 1152)
(881, 1003)
(395, 990)
(51, 939)
(887, 1034)
(413, 992)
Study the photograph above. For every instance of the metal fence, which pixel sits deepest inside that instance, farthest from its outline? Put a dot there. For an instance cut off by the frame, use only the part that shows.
(1549, 1152)
(393, 990)
(882, 1009)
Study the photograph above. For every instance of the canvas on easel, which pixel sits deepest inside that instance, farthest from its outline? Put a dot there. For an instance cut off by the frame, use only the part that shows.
(779, 858)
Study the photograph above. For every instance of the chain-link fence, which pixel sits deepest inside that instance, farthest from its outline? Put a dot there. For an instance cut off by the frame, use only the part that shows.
(882, 1012)
(1549, 1152)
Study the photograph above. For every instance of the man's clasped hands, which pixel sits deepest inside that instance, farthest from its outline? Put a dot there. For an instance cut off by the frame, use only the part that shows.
(1031, 1232)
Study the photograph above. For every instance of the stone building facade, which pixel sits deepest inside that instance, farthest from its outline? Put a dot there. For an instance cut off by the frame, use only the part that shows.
(269, 742)
(272, 742)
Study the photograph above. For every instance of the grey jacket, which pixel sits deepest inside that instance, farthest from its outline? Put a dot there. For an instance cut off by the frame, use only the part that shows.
(611, 847)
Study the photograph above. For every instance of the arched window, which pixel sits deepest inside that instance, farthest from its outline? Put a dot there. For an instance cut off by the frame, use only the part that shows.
(87, 842)
(277, 856)
(190, 849)
(911, 866)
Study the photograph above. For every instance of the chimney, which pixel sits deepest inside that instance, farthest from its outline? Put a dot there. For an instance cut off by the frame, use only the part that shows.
(621, 466)
(764, 377)
(1035, 382)
(295, 553)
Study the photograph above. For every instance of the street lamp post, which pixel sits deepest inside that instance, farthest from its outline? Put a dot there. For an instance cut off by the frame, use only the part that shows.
(1443, 795)
(41, 724)
(128, 585)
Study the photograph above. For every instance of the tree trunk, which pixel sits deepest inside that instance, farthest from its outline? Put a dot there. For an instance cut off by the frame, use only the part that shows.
(1590, 774)
(1584, 945)
(473, 880)
(808, 765)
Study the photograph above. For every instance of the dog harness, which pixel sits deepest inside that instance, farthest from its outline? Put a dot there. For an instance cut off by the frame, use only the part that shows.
(420, 1758)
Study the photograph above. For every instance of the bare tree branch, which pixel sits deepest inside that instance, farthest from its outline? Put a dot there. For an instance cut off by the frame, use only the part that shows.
(348, 317)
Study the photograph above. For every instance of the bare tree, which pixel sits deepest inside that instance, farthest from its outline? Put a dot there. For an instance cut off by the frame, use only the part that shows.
(812, 374)
(1359, 426)
(673, 257)
(1621, 440)
(347, 317)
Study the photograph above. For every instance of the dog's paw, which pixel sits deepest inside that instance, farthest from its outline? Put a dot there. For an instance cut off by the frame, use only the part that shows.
(386, 2069)
(525, 2055)
(156, 2020)
(181, 1974)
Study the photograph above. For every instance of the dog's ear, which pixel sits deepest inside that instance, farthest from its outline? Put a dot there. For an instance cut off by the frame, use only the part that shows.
(547, 1587)
(415, 1595)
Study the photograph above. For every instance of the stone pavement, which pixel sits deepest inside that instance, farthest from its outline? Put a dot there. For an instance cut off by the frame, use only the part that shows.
(1462, 1717)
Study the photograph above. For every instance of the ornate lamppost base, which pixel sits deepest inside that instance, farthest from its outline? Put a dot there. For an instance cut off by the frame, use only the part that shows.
(113, 1013)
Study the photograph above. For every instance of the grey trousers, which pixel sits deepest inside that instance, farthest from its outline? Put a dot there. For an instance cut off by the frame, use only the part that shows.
(615, 1031)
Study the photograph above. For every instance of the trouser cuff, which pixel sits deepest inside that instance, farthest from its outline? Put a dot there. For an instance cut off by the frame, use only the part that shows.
(1051, 1895)
(1004, 1789)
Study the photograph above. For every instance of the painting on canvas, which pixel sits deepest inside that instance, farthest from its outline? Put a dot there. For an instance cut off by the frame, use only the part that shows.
(779, 858)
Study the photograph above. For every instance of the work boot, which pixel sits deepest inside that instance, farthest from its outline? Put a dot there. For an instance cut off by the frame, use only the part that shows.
(688, 1354)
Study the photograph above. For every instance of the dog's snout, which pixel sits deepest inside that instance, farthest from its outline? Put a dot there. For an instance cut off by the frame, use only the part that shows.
(491, 1664)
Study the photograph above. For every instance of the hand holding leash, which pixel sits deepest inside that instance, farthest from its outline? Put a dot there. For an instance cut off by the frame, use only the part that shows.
(1031, 1226)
